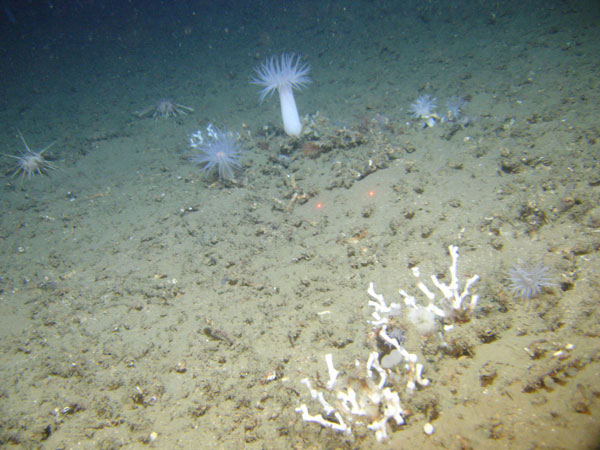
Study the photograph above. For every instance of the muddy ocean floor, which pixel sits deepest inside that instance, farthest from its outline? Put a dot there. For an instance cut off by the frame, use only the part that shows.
(144, 305)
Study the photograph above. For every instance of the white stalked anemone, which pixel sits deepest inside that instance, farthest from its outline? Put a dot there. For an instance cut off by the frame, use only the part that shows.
(284, 75)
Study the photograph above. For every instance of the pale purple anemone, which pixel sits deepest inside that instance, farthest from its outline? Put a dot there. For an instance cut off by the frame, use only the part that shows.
(423, 107)
(528, 281)
(31, 162)
(221, 152)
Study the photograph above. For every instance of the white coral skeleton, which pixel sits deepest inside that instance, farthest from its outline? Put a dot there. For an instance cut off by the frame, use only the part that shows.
(165, 108)
(31, 162)
(453, 307)
(366, 398)
(362, 400)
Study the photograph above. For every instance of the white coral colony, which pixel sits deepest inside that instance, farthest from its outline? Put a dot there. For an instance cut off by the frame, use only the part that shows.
(367, 396)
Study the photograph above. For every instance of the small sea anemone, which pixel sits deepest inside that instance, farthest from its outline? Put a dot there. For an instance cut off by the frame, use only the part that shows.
(527, 281)
(31, 162)
(398, 334)
(284, 75)
(455, 106)
(164, 109)
(424, 107)
(220, 151)
(423, 319)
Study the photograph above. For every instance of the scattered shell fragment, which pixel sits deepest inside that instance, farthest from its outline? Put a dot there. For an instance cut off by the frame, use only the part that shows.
(428, 429)
(181, 367)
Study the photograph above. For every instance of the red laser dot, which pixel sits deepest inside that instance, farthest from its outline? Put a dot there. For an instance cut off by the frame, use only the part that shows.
(319, 205)
(371, 193)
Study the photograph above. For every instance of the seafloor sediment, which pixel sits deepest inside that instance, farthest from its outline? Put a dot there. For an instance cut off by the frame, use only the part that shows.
(146, 304)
